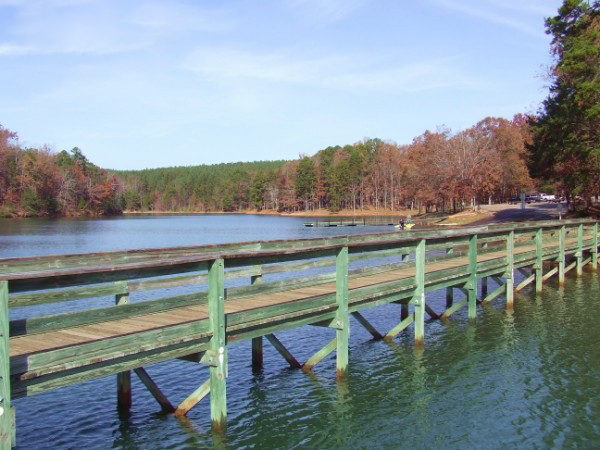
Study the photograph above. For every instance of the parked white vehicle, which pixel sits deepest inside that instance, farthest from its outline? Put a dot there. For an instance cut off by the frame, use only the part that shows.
(548, 197)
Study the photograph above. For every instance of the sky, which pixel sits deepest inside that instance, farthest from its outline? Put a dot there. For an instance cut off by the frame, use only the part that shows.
(146, 83)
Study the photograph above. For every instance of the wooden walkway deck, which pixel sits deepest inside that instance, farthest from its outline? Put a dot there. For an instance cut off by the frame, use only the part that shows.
(49, 351)
(29, 344)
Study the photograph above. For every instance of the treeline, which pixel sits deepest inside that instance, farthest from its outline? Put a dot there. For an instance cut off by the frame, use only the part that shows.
(39, 182)
(438, 170)
(219, 187)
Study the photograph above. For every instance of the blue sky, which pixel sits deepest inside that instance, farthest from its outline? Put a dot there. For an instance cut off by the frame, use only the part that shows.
(138, 83)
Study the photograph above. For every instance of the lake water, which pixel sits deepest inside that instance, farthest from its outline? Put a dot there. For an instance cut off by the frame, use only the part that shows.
(527, 379)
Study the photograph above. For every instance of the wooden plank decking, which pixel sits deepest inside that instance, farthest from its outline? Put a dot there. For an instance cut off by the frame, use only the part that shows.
(51, 351)
(29, 344)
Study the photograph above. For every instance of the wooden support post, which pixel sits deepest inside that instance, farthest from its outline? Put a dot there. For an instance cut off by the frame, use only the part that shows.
(123, 378)
(561, 255)
(403, 311)
(579, 254)
(342, 331)
(595, 247)
(257, 342)
(257, 353)
(510, 269)
(6, 412)
(217, 346)
(419, 294)
(449, 296)
(472, 283)
(293, 362)
(367, 325)
(484, 287)
(539, 268)
(152, 387)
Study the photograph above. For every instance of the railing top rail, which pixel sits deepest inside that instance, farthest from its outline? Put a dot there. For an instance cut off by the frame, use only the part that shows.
(233, 255)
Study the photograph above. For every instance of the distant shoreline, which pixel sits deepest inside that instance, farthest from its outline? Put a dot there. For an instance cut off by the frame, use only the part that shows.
(314, 213)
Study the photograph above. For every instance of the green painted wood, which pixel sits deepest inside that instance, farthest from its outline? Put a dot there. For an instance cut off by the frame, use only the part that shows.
(550, 273)
(498, 291)
(419, 294)
(193, 399)
(453, 309)
(399, 328)
(361, 298)
(538, 267)
(36, 325)
(579, 254)
(525, 282)
(105, 350)
(510, 269)
(216, 319)
(367, 325)
(283, 351)
(146, 285)
(243, 319)
(124, 399)
(24, 388)
(319, 356)
(595, 246)
(6, 425)
(91, 275)
(41, 298)
(472, 284)
(342, 320)
(153, 388)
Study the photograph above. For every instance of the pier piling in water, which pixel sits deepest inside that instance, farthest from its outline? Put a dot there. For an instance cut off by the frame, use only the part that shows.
(356, 273)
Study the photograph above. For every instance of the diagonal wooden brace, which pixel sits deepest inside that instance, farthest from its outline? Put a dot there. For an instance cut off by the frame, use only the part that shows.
(431, 312)
(525, 282)
(153, 388)
(398, 328)
(319, 356)
(499, 290)
(293, 362)
(454, 308)
(367, 325)
(193, 399)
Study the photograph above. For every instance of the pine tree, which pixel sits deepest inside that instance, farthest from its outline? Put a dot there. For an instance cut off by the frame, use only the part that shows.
(567, 129)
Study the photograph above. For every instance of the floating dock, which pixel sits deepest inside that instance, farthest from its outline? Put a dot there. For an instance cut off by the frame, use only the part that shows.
(122, 338)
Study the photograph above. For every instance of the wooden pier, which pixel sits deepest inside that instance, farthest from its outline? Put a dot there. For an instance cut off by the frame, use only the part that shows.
(289, 284)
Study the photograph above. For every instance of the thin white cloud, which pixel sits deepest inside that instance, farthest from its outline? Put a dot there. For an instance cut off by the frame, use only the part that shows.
(330, 72)
(172, 16)
(499, 13)
(102, 27)
(14, 49)
(327, 11)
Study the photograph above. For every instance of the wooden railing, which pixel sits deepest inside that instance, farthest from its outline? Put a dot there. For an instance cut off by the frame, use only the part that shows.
(241, 291)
